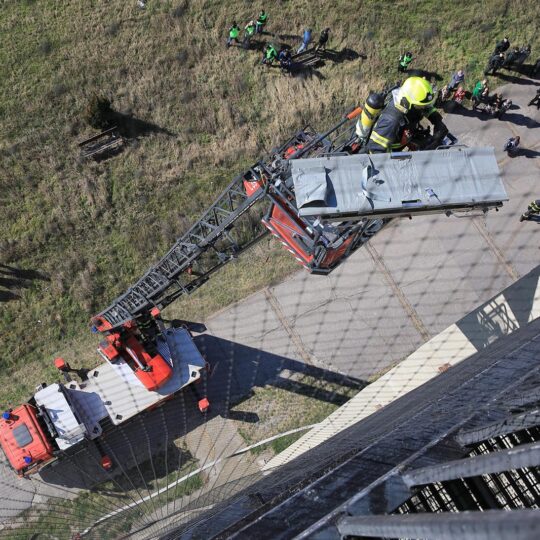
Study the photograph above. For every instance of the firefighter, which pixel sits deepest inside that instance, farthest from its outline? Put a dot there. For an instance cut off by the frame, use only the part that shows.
(524, 53)
(404, 61)
(511, 57)
(407, 106)
(532, 210)
(285, 60)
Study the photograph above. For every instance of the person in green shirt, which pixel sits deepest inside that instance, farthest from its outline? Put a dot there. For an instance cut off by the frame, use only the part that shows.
(234, 32)
(249, 32)
(270, 54)
(261, 21)
(404, 61)
(477, 93)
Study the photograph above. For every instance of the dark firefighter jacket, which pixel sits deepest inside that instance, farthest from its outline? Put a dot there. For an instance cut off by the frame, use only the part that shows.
(501, 47)
(387, 133)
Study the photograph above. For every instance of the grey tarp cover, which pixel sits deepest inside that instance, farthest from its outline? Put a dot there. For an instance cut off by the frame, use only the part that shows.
(397, 184)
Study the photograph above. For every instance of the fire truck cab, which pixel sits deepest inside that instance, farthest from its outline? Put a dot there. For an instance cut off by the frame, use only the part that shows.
(24, 439)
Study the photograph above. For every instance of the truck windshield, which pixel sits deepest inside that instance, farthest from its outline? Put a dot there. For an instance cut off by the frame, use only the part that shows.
(22, 435)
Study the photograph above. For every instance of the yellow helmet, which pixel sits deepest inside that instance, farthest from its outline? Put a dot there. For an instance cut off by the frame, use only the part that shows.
(416, 92)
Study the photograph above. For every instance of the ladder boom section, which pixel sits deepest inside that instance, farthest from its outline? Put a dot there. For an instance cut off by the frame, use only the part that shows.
(151, 289)
(230, 226)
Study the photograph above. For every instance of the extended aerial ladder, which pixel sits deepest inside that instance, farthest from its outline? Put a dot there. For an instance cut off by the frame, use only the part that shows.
(266, 193)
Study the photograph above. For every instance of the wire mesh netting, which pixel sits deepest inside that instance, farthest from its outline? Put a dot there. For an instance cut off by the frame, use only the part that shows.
(301, 360)
(285, 359)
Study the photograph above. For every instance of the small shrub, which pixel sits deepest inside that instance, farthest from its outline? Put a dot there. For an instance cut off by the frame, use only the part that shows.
(98, 113)
(74, 128)
(8, 251)
(187, 97)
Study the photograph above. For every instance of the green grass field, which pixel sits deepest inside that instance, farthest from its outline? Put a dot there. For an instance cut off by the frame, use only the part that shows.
(91, 229)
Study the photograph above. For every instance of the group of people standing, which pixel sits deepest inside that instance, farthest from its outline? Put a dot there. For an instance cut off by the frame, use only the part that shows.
(284, 56)
(252, 27)
(307, 39)
(495, 104)
(500, 58)
(271, 53)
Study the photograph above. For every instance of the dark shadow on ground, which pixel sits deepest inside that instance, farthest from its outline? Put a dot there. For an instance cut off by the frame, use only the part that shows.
(235, 370)
(526, 70)
(307, 390)
(338, 57)
(257, 46)
(132, 128)
(145, 476)
(429, 75)
(518, 119)
(290, 37)
(306, 63)
(305, 72)
(13, 279)
(515, 80)
(493, 320)
(244, 416)
(7, 296)
(246, 367)
(526, 152)
(452, 107)
(22, 273)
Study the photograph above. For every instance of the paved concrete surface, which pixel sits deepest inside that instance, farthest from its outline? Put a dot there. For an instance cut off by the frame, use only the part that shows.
(414, 279)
